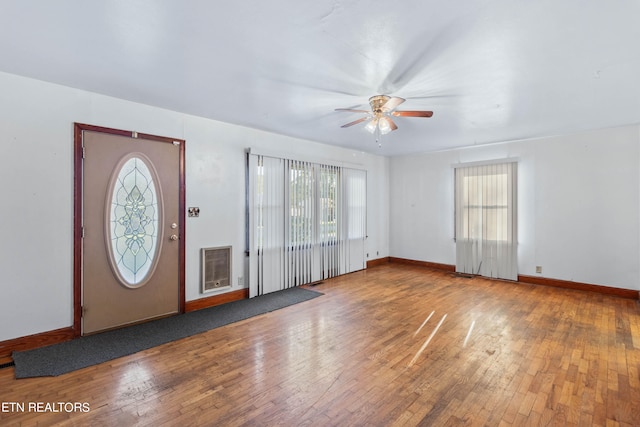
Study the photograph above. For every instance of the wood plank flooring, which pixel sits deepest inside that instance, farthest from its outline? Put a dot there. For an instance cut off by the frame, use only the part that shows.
(388, 346)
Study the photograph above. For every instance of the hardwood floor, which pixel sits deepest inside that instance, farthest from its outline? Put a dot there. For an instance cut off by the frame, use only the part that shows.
(391, 345)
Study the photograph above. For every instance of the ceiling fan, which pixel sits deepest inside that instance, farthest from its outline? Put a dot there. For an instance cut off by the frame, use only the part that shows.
(382, 108)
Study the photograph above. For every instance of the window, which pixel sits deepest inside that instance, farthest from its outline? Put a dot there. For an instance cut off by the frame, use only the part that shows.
(356, 202)
(484, 206)
(486, 220)
(307, 222)
(328, 204)
(133, 222)
(301, 204)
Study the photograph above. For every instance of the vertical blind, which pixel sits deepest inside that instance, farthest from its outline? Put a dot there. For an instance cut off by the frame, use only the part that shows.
(307, 222)
(486, 220)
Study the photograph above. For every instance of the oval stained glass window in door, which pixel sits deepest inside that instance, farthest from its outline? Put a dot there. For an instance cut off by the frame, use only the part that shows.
(133, 221)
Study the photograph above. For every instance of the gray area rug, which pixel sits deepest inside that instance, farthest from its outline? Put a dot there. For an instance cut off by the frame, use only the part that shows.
(69, 356)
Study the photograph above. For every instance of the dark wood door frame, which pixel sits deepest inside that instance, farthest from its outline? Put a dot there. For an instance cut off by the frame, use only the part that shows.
(77, 213)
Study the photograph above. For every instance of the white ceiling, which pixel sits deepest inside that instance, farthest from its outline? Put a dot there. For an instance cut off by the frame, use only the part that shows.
(491, 70)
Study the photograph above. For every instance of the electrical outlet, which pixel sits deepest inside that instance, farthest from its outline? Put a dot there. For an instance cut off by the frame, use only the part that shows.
(538, 269)
(240, 281)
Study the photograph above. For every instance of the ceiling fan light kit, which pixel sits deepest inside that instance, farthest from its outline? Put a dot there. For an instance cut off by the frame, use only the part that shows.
(382, 108)
(372, 125)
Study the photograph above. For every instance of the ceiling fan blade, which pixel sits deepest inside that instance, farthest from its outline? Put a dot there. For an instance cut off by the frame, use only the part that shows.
(392, 103)
(355, 122)
(412, 113)
(352, 110)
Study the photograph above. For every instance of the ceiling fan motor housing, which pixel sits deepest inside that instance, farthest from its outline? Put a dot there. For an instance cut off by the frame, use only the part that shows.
(377, 102)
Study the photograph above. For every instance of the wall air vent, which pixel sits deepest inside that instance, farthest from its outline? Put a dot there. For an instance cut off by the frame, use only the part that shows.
(216, 268)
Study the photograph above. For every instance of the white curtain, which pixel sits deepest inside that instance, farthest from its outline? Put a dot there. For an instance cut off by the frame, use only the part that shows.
(328, 239)
(301, 263)
(354, 219)
(486, 220)
(267, 194)
(306, 222)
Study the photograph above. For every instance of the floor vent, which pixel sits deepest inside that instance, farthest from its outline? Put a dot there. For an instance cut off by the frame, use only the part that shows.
(216, 268)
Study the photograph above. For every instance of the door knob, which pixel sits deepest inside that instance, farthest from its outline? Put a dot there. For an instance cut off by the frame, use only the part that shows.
(173, 237)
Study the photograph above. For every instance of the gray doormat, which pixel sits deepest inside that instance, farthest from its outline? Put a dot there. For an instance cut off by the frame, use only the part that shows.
(86, 351)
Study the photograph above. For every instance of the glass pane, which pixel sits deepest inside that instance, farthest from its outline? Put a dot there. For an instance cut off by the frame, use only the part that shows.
(356, 188)
(485, 206)
(301, 204)
(134, 221)
(328, 200)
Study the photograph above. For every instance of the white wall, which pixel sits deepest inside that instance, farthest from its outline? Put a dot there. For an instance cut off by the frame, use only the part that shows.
(36, 130)
(579, 204)
(578, 201)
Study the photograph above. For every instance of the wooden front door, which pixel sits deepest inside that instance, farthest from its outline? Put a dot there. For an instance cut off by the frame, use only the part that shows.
(132, 229)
